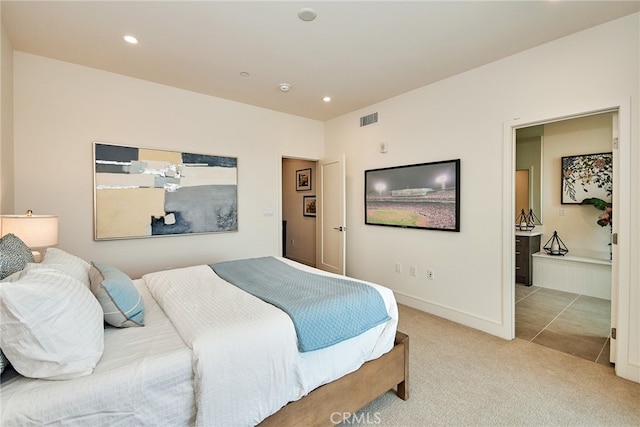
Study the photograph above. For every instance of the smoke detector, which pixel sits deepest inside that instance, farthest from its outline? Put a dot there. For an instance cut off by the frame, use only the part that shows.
(285, 87)
(307, 14)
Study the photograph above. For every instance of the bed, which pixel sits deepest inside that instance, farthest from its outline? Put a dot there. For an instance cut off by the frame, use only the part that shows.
(169, 372)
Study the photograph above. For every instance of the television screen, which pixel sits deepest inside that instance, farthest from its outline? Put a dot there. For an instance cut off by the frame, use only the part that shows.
(425, 195)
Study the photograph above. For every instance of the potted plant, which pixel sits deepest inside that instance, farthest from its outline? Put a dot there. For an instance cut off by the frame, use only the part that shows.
(605, 218)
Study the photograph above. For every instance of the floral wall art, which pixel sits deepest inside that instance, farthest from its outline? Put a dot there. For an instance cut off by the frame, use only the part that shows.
(587, 176)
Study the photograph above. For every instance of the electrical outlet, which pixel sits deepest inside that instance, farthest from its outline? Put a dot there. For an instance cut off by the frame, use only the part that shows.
(430, 275)
(398, 267)
(413, 270)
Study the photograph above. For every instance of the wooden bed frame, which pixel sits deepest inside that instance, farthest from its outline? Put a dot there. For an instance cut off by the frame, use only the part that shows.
(333, 402)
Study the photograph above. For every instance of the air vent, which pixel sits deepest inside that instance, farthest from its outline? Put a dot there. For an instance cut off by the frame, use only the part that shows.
(368, 119)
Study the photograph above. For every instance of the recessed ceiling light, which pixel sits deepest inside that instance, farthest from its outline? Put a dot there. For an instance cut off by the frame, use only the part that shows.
(130, 39)
(285, 87)
(327, 99)
(307, 14)
(244, 74)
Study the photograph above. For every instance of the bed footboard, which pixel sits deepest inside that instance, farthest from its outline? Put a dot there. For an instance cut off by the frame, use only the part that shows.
(331, 403)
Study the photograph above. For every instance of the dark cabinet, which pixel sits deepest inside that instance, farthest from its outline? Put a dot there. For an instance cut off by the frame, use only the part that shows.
(526, 246)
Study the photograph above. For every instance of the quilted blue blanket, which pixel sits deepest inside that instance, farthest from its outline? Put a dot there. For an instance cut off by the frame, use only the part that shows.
(325, 310)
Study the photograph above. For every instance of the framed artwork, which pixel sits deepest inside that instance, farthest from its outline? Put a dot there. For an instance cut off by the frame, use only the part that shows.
(303, 180)
(309, 205)
(424, 196)
(586, 175)
(142, 192)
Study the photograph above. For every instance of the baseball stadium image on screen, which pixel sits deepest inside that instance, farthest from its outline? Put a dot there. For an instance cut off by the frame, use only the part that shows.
(425, 196)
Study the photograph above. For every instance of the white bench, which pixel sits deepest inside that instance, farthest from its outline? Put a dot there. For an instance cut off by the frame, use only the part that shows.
(582, 275)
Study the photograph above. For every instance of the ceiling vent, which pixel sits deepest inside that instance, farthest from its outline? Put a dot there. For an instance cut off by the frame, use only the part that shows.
(369, 119)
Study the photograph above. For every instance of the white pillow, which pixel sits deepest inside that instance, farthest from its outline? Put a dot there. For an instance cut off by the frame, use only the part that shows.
(51, 325)
(67, 263)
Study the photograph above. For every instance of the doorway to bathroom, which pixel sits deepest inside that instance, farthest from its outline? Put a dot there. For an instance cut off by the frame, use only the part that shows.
(565, 303)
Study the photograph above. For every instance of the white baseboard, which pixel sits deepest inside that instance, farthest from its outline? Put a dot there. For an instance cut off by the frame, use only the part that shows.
(487, 325)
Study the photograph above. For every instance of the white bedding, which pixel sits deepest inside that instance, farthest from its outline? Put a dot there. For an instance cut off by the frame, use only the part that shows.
(246, 362)
(144, 377)
(209, 354)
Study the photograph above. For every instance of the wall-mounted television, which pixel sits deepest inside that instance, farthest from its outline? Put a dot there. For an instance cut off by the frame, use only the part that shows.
(425, 196)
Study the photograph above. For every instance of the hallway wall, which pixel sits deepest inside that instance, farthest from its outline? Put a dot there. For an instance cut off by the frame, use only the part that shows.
(301, 229)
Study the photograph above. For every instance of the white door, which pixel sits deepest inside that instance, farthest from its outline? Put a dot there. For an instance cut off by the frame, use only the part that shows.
(331, 216)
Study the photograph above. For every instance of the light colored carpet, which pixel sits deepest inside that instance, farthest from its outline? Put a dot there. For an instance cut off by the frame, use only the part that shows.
(463, 377)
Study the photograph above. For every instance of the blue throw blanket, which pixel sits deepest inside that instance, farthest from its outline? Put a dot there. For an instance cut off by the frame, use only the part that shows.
(325, 310)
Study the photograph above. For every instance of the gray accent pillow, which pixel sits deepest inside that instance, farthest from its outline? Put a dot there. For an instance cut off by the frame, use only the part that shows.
(14, 255)
(4, 362)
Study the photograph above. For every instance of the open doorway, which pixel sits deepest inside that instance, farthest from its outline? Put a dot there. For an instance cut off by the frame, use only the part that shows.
(566, 303)
(299, 210)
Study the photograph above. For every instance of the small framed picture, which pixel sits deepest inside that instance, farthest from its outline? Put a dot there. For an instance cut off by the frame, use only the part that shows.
(309, 206)
(303, 180)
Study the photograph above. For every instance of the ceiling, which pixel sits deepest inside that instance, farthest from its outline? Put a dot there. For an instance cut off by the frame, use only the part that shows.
(356, 52)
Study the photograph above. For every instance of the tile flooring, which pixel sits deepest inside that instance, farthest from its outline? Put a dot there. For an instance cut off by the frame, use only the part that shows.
(571, 323)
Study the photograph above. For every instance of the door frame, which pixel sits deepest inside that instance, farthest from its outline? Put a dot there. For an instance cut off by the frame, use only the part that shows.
(621, 224)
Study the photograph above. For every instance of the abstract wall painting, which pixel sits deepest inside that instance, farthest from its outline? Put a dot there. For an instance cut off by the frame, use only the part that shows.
(424, 196)
(142, 192)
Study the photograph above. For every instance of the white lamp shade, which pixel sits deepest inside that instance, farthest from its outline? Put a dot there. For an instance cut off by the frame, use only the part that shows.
(36, 231)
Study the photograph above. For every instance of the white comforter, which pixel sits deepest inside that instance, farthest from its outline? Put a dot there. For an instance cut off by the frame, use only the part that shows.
(246, 362)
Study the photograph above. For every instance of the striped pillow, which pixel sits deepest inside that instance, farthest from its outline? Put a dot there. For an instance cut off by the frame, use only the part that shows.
(14, 256)
(67, 263)
(51, 326)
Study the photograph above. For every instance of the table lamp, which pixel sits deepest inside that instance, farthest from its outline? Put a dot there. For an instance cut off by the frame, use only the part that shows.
(36, 231)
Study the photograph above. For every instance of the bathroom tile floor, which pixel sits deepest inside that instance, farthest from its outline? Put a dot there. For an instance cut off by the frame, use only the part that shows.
(576, 324)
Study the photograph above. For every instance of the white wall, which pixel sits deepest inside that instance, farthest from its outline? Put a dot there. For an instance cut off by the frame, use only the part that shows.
(61, 109)
(464, 117)
(6, 123)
